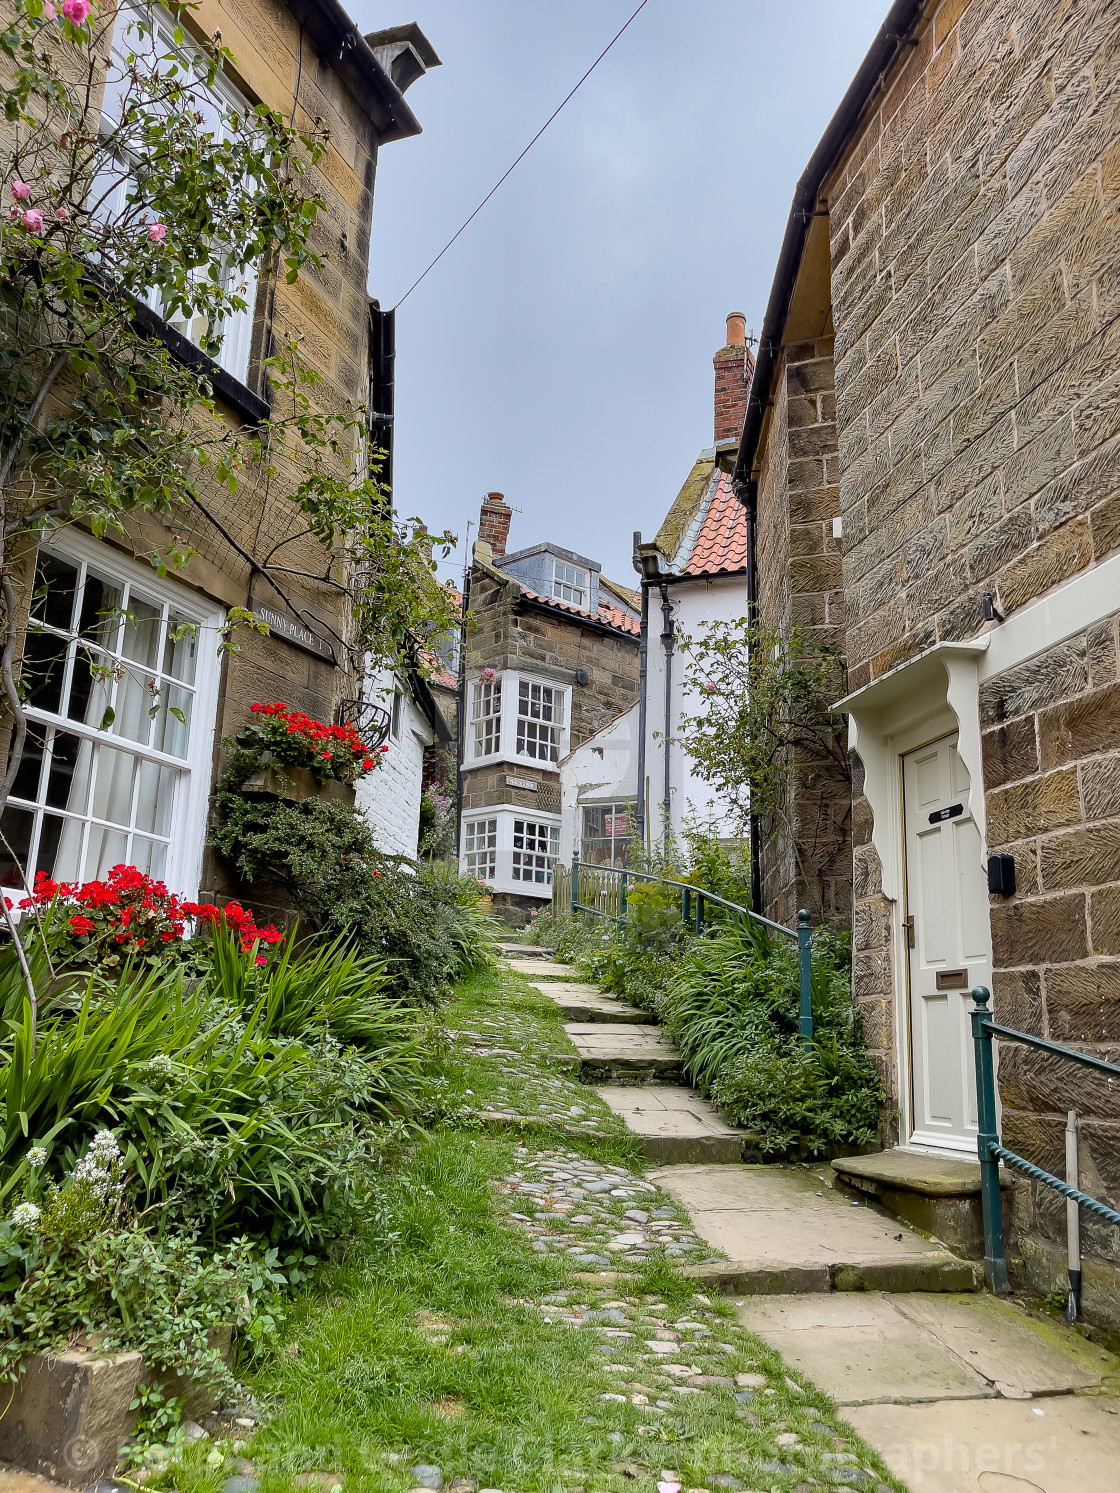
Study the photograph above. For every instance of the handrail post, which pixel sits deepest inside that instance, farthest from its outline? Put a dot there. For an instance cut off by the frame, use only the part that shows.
(622, 897)
(686, 906)
(805, 951)
(575, 879)
(699, 912)
(995, 1260)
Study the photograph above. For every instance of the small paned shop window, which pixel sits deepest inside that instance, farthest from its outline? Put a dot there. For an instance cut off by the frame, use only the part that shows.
(606, 834)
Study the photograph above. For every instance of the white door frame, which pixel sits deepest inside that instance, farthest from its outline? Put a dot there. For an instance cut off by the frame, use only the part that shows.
(934, 695)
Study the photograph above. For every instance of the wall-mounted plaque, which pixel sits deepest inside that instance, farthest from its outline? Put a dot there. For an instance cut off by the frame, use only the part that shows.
(282, 624)
(529, 785)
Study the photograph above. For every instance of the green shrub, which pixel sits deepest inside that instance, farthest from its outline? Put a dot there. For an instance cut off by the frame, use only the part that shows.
(734, 1009)
(422, 920)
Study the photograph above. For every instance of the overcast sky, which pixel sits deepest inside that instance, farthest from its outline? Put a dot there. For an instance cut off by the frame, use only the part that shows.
(561, 352)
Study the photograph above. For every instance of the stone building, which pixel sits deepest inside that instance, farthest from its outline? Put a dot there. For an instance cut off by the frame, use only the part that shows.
(932, 462)
(551, 655)
(140, 792)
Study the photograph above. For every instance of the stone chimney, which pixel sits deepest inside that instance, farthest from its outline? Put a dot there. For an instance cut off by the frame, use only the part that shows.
(493, 523)
(734, 365)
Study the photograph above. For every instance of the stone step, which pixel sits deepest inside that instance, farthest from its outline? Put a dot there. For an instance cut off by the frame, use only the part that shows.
(541, 969)
(629, 1049)
(903, 1349)
(521, 950)
(675, 1125)
(589, 1003)
(784, 1229)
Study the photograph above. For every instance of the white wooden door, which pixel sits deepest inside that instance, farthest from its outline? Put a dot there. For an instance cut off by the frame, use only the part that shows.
(950, 942)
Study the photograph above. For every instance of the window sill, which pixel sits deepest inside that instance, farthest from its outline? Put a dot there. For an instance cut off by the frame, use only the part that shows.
(229, 389)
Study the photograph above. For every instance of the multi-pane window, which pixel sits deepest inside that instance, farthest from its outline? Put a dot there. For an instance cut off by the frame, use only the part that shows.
(606, 835)
(535, 849)
(569, 583)
(486, 716)
(109, 670)
(150, 37)
(540, 720)
(480, 848)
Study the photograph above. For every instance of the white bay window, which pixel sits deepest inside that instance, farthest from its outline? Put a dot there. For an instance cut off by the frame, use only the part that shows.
(512, 850)
(517, 718)
(120, 672)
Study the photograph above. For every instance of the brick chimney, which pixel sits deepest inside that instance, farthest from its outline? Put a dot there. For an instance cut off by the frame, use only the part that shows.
(493, 523)
(734, 365)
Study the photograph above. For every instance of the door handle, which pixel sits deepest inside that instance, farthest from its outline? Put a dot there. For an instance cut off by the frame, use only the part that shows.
(908, 924)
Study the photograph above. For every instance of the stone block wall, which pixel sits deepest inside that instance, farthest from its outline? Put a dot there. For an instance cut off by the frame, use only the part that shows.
(975, 248)
(806, 857)
(1051, 742)
(975, 239)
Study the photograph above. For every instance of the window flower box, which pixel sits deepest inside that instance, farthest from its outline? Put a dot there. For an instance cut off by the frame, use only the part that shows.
(276, 780)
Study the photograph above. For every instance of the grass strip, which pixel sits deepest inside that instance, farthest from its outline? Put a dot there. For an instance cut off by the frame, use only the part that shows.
(472, 1341)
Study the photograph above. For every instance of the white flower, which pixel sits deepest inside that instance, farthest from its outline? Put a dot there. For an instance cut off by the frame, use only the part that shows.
(161, 1063)
(26, 1216)
(104, 1147)
(37, 1157)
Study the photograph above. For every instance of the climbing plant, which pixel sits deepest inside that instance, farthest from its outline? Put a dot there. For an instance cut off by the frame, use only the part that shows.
(764, 736)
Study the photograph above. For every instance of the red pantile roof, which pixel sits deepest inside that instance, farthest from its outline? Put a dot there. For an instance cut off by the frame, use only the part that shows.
(611, 616)
(721, 544)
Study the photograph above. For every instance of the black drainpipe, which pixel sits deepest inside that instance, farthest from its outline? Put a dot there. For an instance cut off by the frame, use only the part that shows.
(643, 672)
(668, 637)
(748, 493)
(382, 386)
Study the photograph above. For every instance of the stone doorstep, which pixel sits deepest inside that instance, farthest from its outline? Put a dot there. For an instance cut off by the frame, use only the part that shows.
(938, 1194)
(909, 1171)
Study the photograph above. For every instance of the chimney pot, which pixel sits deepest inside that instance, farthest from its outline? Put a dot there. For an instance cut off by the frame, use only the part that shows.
(493, 523)
(734, 366)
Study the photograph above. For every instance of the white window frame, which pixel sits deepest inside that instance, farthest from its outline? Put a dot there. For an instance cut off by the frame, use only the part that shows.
(237, 331)
(508, 688)
(476, 829)
(507, 817)
(189, 815)
(488, 692)
(569, 582)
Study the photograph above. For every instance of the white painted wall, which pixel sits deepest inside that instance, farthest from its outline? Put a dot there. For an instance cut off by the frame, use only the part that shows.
(694, 602)
(602, 770)
(389, 797)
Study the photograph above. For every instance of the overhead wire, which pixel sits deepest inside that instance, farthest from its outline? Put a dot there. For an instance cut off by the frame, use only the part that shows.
(466, 224)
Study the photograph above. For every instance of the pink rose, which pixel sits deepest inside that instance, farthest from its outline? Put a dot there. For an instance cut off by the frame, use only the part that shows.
(76, 11)
(49, 11)
(62, 214)
(21, 191)
(157, 232)
(32, 219)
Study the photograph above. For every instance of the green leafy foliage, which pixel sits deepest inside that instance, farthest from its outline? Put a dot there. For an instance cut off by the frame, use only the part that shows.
(421, 919)
(766, 703)
(162, 1144)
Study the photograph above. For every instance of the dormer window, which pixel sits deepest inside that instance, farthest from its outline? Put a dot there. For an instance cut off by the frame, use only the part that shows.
(569, 583)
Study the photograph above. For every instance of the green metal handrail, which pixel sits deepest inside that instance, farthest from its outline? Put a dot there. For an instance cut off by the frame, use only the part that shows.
(989, 1149)
(694, 917)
